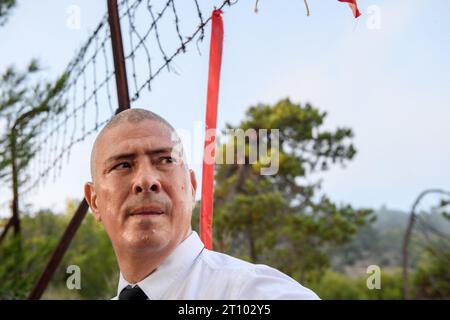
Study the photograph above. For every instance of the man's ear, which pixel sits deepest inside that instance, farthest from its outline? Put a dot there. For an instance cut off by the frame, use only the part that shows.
(193, 184)
(91, 198)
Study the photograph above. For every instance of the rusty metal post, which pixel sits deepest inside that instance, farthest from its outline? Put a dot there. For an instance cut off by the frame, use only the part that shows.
(119, 57)
(5, 229)
(58, 254)
(123, 104)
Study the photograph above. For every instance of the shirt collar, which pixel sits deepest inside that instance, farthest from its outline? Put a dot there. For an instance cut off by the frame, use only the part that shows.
(180, 260)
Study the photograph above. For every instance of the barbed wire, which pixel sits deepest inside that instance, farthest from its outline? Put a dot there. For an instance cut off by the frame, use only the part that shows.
(198, 33)
(90, 73)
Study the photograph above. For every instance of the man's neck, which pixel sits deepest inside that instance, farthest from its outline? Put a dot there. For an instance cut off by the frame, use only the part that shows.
(136, 266)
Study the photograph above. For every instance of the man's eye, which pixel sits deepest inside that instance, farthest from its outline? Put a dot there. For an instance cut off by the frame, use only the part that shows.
(122, 165)
(167, 160)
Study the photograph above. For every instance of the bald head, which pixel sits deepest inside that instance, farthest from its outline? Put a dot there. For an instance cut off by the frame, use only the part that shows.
(131, 116)
(134, 116)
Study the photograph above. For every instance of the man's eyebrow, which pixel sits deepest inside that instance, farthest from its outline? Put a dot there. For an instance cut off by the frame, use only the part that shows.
(131, 155)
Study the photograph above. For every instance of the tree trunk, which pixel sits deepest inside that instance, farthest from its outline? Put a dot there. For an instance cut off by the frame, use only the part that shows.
(407, 237)
(15, 181)
(251, 243)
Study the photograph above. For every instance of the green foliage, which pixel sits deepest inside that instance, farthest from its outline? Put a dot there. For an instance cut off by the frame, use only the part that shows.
(90, 250)
(282, 219)
(432, 276)
(5, 8)
(22, 260)
(23, 107)
(337, 286)
(25, 103)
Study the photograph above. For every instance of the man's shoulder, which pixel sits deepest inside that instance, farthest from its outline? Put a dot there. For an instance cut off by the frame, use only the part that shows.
(219, 261)
(256, 281)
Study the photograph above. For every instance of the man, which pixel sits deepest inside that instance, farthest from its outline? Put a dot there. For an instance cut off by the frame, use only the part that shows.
(143, 193)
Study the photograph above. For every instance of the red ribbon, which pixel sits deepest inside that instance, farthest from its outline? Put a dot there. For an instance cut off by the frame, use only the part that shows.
(215, 61)
(354, 6)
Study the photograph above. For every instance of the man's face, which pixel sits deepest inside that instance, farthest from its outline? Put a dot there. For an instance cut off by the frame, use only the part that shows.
(142, 192)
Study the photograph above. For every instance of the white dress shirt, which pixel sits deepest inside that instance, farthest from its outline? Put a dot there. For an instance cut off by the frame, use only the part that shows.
(193, 272)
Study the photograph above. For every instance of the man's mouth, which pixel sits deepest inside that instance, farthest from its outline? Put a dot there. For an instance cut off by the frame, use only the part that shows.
(147, 211)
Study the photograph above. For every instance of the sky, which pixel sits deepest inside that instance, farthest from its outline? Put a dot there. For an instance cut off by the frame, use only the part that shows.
(386, 75)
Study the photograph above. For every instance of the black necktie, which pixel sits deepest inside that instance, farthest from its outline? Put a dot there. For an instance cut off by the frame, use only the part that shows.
(130, 293)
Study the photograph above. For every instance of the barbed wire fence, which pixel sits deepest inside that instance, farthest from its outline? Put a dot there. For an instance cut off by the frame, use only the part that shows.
(89, 92)
(89, 97)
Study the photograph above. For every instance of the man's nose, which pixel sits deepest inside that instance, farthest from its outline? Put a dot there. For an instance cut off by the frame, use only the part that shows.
(146, 181)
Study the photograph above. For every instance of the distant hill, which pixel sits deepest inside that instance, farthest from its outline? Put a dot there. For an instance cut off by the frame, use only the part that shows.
(389, 219)
(380, 243)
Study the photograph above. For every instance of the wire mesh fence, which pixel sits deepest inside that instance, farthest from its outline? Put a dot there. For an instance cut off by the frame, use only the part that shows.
(154, 33)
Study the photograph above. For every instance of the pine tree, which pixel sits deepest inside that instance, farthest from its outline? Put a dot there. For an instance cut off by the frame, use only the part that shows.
(283, 219)
(24, 107)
